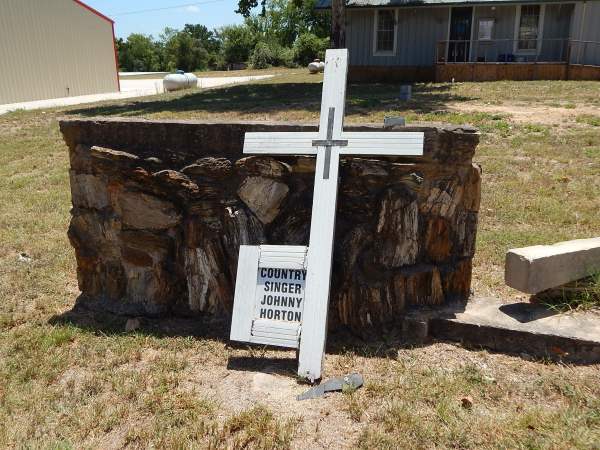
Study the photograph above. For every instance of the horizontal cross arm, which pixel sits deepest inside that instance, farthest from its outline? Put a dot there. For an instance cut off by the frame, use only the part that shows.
(383, 143)
(281, 143)
(358, 143)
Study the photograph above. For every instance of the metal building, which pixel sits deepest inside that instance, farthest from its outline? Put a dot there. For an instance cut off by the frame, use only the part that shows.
(52, 49)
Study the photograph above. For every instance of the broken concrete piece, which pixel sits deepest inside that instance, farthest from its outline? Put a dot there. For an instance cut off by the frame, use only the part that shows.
(346, 383)
(540, 267)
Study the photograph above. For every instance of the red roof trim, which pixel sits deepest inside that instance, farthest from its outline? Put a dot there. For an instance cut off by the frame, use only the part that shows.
(89, 8)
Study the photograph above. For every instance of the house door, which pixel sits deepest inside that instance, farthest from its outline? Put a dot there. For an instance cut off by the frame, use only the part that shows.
(461, 21)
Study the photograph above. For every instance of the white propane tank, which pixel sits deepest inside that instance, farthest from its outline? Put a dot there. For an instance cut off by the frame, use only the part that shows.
(316, 66)
(179, 80)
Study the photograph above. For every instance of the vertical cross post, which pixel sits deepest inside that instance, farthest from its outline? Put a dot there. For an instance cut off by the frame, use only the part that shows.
(320, 247)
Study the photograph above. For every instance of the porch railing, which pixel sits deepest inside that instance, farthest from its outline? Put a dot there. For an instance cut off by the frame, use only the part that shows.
(517, 51)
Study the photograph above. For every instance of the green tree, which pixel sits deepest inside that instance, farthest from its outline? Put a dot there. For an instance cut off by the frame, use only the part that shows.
(139, 53)
(285, 20)
(238, 42)
(182, 51)
(245, 7)
(207, 38)
(164, 53)
(308, 47)
(271, 54)
(122, 53)
(286, 30)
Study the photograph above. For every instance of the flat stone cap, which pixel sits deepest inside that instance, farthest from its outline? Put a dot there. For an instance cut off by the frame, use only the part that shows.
(537, 268)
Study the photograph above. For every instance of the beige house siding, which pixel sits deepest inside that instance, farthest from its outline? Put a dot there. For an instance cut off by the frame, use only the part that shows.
(52, 49)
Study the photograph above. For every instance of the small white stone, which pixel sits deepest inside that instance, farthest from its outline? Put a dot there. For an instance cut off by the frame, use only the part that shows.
(24, 258)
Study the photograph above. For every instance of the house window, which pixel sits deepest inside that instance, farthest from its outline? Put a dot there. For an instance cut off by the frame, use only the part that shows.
(486, 29)
(529, 28)
(385, 31)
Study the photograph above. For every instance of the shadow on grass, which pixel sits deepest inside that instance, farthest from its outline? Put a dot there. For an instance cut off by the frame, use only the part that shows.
(279, 97)
(380, 343)
(168, 325)
(257, 363)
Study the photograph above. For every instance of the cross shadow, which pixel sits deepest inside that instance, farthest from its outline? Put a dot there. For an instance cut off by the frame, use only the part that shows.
(277, 366)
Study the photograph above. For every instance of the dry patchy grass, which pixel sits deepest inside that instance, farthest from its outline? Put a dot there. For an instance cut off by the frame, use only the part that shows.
(66, 385)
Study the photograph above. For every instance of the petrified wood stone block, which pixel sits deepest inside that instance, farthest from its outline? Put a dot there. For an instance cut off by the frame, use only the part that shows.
(161, 208)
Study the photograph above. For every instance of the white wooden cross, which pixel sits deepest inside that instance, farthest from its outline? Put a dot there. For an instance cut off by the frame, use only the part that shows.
(249, 323)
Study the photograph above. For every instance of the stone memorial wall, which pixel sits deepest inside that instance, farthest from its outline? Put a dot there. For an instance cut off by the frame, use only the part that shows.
(161, 207)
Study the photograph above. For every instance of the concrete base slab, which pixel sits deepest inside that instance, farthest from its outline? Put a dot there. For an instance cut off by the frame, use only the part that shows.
(520, 328)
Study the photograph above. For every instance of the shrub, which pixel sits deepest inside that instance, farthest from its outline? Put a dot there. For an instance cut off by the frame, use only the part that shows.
(238, 42)
(286, 57)
(263, 56)
(218, 62)
(182, 51)
(270, 54)
(309, 47)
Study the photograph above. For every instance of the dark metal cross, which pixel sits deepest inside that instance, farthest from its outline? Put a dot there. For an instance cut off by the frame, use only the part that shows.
(329, 143)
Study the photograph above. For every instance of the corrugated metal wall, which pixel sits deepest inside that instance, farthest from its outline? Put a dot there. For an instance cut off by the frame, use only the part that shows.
(52, 49)
(586, 27)
(419, 30)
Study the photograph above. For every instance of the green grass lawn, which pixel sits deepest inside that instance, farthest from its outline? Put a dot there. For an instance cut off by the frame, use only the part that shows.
(67, 386)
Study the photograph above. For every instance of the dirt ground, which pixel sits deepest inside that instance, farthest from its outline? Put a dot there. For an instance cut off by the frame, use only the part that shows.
(524, 114)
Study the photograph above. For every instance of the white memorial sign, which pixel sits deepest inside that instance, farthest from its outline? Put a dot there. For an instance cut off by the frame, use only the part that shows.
(280, 294)
(302, 322)
(269, 295)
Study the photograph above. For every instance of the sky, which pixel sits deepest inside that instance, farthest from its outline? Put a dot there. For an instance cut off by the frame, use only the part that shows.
(212, 13)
